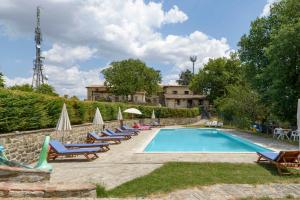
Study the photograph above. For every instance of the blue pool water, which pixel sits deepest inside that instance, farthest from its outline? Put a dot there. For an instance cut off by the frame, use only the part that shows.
(200, 140)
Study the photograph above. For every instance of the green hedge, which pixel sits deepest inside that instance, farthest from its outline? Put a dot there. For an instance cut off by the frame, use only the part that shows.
(27, 111)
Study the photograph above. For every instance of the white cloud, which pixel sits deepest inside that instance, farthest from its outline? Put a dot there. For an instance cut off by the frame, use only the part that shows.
(65, 54)
(17, 80)
(65, 80)
(176, 50)
(171, 79)
(175, 15)
(72, 80)
(109, 29)
(267, 8)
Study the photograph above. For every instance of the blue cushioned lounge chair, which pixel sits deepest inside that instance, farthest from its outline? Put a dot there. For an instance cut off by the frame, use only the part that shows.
(282, 159)
(120, 133)
(103, 145)
(58, 149)
(126, 127)
(110, 134)
(119, 130)
(92, 137)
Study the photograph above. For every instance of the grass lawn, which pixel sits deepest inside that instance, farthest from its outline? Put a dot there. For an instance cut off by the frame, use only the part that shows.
(180, 175)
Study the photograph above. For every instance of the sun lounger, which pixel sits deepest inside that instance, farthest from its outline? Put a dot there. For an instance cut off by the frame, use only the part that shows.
(125, 127)
(110, 133)
(93, 136)
(141, 127)
(103, 145)
(58, 149)
(282, 160)
(118, 130)
(115, 133)
(155, 124)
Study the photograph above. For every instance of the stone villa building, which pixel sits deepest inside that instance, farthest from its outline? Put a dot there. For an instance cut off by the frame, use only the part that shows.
(172, 96)
(180, 96)
(101, 93)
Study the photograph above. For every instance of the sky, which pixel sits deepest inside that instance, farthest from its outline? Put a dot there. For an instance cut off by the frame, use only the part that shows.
(82, 37)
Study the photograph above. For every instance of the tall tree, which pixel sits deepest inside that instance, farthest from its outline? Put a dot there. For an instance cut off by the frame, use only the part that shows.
(185, 77)
(2, 82)
(216, 75)
(241, 105)
(127, 77)
(284, 71)
(270, 52)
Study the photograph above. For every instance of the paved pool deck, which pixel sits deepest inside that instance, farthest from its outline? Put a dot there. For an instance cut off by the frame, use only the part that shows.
(124, 162)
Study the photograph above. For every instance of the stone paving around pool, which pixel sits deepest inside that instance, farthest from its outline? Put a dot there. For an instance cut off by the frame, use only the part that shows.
(220, 192)
(234, 191)
(122, 163)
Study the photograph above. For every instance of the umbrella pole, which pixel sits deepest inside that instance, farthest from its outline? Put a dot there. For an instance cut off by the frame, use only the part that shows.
(63, 134)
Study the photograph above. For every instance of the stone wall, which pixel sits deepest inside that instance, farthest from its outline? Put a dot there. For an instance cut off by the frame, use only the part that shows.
(47, 190)
(25, 146)
(17, 174)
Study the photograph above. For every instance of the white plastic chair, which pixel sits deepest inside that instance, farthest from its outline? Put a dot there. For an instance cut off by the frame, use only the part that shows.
(295, 135)
(220, 124)
(282, 134)
(214, 123)
(208, 123)
(277, 132)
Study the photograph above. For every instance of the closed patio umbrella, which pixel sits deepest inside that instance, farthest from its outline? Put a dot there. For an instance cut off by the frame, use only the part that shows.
(63, 124)
(153, 118)
(298, 120)
(98, 120)
(153, 115)
(120, 117)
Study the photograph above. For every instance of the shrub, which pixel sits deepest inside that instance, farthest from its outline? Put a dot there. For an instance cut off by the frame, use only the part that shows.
(241, 106)
(21, 110)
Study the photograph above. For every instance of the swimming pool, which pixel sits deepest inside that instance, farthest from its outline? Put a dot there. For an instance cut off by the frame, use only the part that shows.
(200, 140)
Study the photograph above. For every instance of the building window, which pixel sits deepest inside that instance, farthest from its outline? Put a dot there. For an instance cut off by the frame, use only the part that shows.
(200, 102)
(186, 92)
(174, 92)
(135, 98)
(178, 102)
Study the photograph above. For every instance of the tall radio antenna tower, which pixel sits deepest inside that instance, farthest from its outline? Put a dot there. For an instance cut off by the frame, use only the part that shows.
(193, 59)
(38, 76)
